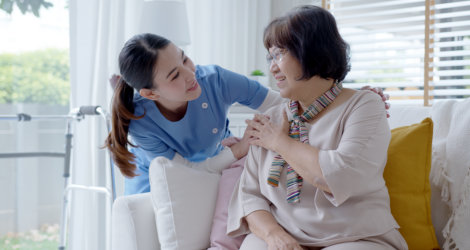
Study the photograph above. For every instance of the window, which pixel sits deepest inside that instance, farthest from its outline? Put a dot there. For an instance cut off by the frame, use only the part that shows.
(34, 79)
(418, 51)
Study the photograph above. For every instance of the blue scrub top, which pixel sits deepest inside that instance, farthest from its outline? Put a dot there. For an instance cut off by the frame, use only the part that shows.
(198, 134)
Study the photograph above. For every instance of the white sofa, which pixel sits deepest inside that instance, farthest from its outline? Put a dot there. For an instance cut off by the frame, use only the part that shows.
(133, 219)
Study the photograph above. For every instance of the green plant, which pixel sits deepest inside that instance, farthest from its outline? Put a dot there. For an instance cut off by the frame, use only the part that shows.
(24, 6)
(35, 77)
(257, 72)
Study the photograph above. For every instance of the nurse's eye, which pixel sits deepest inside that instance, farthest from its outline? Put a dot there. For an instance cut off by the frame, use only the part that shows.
(176, 76)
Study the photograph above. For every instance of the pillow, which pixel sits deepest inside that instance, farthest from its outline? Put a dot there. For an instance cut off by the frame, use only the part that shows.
(183, 199)
(228, 180)
(407, 178)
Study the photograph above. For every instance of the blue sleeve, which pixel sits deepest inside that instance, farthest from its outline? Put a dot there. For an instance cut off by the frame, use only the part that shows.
(151, 145)
(238, 88)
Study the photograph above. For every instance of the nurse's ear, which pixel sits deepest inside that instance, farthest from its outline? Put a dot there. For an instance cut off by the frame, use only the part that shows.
(149, 94)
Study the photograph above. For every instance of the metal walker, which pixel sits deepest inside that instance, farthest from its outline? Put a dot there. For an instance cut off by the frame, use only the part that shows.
(74, 115)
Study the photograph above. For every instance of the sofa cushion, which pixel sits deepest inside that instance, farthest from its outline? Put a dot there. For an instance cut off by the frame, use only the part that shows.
(407, 178)
(184, 201)
(219, 237)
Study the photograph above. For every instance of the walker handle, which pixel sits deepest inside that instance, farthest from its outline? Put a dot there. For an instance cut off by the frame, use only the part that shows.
(89, 110)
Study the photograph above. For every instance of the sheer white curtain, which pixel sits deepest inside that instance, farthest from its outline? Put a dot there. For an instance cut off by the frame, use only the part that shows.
(98, 30)
(229, 33)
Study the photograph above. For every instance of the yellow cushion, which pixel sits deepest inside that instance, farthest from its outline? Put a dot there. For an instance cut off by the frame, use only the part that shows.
(407, 177)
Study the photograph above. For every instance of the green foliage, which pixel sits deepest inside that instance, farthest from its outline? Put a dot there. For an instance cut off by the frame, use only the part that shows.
(24, 6)
(257, 72)
(35, 77)
(46, 237)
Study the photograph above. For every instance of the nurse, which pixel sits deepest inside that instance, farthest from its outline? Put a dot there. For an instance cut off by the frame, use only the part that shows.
(178, 110)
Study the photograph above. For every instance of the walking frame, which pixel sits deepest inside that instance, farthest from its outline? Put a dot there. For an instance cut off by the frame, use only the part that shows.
(74, 115)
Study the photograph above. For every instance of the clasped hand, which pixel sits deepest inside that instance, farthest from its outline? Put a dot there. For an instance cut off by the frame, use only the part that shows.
(265, 133)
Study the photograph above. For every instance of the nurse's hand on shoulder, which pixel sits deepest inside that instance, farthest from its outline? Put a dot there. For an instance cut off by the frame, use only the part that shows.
(384, 97)
(240, 148)
(267, 134)
(281, 240)
(113, 80)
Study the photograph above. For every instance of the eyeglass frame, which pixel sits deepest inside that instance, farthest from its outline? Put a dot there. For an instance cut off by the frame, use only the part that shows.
(277, 56)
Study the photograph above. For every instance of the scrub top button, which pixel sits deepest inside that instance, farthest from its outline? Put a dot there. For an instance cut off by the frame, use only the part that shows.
(215, 130)
(204, 105)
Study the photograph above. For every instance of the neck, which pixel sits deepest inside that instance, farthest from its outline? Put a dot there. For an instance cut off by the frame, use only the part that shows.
(172, 111)
(316, 86)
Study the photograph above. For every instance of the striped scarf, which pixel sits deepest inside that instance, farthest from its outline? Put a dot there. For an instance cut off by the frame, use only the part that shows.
(298, 131)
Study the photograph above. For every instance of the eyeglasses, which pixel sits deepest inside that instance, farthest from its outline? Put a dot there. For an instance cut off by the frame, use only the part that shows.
(276, 56)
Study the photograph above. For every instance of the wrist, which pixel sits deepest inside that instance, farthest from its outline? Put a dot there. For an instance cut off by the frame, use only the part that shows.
(238, 150)
(273, 232)
(281, 142)
(234, 151)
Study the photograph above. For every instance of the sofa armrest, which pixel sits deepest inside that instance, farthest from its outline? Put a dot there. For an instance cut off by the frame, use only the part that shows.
(133, 223)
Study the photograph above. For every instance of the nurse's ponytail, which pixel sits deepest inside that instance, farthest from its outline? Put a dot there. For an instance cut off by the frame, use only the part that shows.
(137, 62)
(117, 141)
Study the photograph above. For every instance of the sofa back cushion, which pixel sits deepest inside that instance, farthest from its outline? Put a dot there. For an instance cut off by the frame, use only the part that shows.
(407, 178)
(404, 115)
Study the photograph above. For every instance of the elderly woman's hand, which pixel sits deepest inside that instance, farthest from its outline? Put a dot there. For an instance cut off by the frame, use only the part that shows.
(266, 134)
(281, 240)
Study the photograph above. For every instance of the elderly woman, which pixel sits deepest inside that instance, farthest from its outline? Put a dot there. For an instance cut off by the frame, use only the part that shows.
(314, 177)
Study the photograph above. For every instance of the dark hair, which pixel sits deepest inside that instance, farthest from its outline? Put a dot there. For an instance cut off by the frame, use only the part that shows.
(310, 34)
(137, 68)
